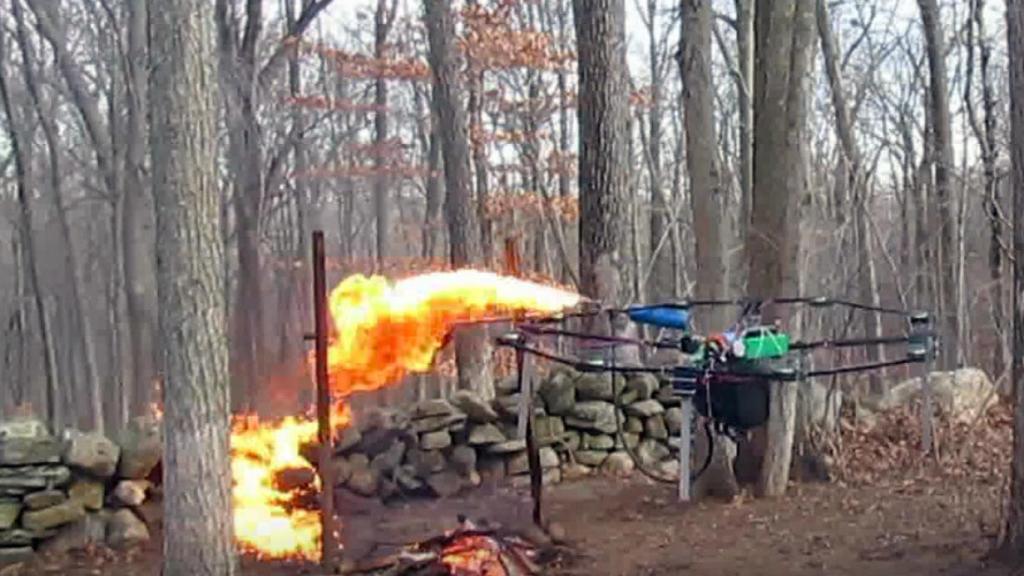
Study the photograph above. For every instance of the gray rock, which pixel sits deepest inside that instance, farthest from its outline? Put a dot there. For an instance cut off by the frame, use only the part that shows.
(592, 458)
(133, 492)
(476, 408)
(44, 499)
(379, 418)
(548, 458)
(387, 461)
(654, 427)
(651, 452)
(645, 409)
(618, 464)
(141, 447)
(125, 529)
(667, 396)
(53, 516)
(18, 537)
(508, 447)
(576, 471)
(359, 461)
(573, 440)
(628, 440)
(559, 393)
(597, 441)
(427, 462)
(518, 464)
(463, 459)
(435, 440)
(506, 386)
(485, 434)
(16, 555)
(348, 439)
(674, 420)
(508, 407)
(27, 441)
(445, 484)
(645, 385)
(34, 477)
(668, 468)
(87, 492)
(593, 415)
(405, 478)
(634, 425)
(81, 535)
(595, 386)
(10, 509)
(18, 493)
(364, 482)
(434, 407)
(627, 397)
(342, 470)
(962, 394)
(435, 423)
(548, 429)
(92, 453)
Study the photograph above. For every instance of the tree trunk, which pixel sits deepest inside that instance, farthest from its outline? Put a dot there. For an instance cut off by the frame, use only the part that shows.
(702, 154)
(854, 182)
(659, 282)
(137, 222)
(198, 531)
(237, 62)
(82, 326)
(745, 82)
(381, 183)
(784, 30)
(21, 148)
(472, 350)
(602, 113)
(1013, 543)
(945, 223)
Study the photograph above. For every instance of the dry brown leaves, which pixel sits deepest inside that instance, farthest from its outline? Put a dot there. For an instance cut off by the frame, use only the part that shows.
(890, 451)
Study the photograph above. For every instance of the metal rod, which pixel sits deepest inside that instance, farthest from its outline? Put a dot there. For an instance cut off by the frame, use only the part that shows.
(532, 450)
(685, 440)
(328, 544)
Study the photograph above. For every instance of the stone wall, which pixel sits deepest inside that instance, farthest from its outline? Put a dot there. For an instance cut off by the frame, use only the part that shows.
(439, 447)
(59, 494)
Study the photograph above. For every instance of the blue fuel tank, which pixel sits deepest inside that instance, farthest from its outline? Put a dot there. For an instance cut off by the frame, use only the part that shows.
(671, 317)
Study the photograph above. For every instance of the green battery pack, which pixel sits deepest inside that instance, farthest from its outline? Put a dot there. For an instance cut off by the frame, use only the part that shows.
(760, 343)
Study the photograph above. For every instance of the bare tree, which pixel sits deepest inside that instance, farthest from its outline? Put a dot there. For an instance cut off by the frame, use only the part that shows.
(471, 348)
(1013, 543)
(702, 150)
(198, 531)
(944, 226)
(784, 30)
(603, 112)
(21, 148)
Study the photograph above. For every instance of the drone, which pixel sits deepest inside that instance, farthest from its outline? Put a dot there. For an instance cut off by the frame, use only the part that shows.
(725, 376)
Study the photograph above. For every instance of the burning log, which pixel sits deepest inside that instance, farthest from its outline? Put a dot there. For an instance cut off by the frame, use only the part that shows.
(469, 550)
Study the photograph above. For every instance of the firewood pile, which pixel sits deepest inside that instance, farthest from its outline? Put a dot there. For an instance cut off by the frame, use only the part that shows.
(468, 550)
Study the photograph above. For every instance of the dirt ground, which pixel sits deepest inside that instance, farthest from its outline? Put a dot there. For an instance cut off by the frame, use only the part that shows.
(892, 514)
(637, 528)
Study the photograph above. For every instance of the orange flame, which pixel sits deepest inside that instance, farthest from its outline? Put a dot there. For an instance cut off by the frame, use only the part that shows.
(382, 332)
(266, 521)
(385, 331)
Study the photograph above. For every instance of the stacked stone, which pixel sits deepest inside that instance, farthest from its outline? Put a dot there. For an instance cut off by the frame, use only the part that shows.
(441, 447)
(59, 494)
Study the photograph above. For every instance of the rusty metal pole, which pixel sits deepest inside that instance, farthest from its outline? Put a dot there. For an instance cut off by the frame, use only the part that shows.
(328, 536)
